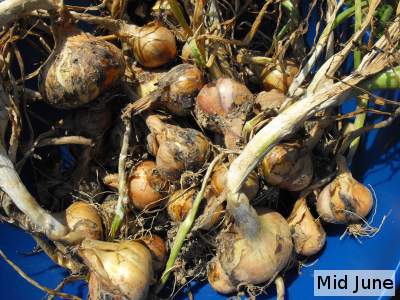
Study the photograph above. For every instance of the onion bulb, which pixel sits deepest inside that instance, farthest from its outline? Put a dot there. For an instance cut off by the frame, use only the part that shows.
(308, 234)
(84, 219)
(177, 90)
(117, 270)
(81, 66)
(249, 188)
(344, 200)
(180, 203)
(274, 78)
(145, 186)
(218, 278)
(180, 149)
(153, 46)
(222, 106)
(256, 259)
(288, 167)
(158, 250)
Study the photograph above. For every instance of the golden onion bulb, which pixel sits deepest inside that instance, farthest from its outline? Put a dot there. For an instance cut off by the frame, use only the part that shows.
(288, 167)
(81, 66)
(273, 78)
(146, 188)
(308, 234)
(249, 188)
(256, 259)
(84, 219)
(154, 46)
(344, 200)
(118, 270)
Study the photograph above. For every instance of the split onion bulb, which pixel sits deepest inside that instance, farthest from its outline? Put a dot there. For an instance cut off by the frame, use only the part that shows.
(287, 166)
(344, 200)
(256, 259)
(117, 270)
(222, 106)
(81, 66)
(146, 188)
(83, 218)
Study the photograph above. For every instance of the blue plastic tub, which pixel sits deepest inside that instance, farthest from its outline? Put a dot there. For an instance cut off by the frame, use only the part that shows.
(371, 166)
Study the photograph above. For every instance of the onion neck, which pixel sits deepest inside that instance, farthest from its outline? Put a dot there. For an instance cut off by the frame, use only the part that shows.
(62, 24)
(244, 214)
(153, 122)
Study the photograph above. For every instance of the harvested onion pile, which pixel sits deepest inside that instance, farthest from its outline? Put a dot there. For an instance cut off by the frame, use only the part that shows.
(186, 140)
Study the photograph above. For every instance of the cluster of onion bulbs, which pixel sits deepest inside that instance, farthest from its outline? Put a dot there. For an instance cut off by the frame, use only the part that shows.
(82, 68)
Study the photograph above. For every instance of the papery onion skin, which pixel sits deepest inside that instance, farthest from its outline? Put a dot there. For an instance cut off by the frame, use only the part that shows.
(122, 270)
(258, 259)
(145, 186)
(81, 66)
(272, 78)
(218, 278)
(84, 219)
(180, 203)
(154, 46)
(288, 167)
(158, 250)
(182, 150)
(181, 86)
(308, 234)
(249, 188)
(344, 200)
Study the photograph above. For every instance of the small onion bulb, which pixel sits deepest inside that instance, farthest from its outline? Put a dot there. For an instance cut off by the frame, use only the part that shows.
(308, 234)
(288, 167)
(272, 78)
(158, 250)
(84, 219)
(344, 200)
(145, 186)
(249, 188)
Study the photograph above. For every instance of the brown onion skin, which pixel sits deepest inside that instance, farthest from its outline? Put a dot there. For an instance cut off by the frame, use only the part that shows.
(158, 250)
(180, 203)
(344, 200)
(84, 218)
(249, 188)
(181, 86)
(154, 46)
(80, 68)
(145, 187)
(182, 150)
(288, 167)
(177, 91)
(274, 79)
(308, 234)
